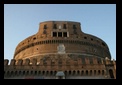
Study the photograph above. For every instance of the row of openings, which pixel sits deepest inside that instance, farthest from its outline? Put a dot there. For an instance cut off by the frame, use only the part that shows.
(97, 41)
(83, 72)
(59, 41)
(55, 26)
(60, 34)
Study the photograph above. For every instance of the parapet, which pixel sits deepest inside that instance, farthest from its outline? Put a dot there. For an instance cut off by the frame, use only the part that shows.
(55, 61)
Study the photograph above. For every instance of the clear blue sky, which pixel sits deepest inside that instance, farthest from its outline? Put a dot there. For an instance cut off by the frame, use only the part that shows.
(22, 21)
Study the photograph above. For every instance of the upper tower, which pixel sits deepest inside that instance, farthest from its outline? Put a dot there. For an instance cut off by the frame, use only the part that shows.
(61, 37)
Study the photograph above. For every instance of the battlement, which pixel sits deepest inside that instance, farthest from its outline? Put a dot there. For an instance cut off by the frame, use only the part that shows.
(57, 61)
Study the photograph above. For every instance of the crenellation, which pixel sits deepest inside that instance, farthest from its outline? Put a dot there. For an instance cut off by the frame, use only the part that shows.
(6, 61)
(13, 61)
(20, 62)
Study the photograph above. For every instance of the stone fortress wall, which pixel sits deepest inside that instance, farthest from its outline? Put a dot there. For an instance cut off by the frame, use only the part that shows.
(73, 67)
(61, 48)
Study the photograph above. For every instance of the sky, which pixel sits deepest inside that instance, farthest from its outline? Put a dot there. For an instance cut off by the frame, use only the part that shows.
(22, 21)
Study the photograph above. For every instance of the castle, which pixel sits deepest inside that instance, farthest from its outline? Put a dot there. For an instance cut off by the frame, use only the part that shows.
(60, 50)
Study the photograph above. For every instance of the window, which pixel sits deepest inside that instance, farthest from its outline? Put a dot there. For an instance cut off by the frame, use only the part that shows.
(45, 26)
(64, 26)
(91, 39)
(65, 34)
(74, 27)
(94, 72)
(34, 38)
(85, 37)
(103, 44)
(98, 72)
(102, 72)
(54, 34)
(59, 34)
(55, 27)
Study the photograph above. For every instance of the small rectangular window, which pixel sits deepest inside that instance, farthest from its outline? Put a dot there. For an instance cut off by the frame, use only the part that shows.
(54, 34)
(74, 26)
(55, 27)
(45, 26)
(59, 34)
(65, 34)
(64, 26)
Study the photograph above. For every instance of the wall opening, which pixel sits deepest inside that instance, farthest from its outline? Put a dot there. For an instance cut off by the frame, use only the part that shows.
(59, 34)
(111, 73)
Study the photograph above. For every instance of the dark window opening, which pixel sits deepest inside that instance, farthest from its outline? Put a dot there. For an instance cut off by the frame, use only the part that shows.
(82, 72)
(86, 72)
(35, 72)
(103, 44)
(8, 73)
(19, 72)
(74, 27)
(34, 38)
(65, 34)
(90, 72)
(59, 34)
(45, 26)
(31, 72)
(98, 72)
(69, 72)
(64, 26)
(51, 72)
(39, 72)
(27, 72)
(65, 72)
(85, 37)
(78, 72)
(23, 72)
(54, 34)
(91, 39)
(94, 72)
(55, 27)
(73, 72)
(102, 72)
(111, 73)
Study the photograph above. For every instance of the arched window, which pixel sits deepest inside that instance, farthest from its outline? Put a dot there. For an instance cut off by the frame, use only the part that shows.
(31, 72)
(23, 72)
(8, 73)
(47, 72)
(55, 72)
(111, 73)
(90, 72)
(15, 72)
(27, 72)
(102, 72)
(74, 72)
(69, 72)
(65, 72)
(39, 72)
(94, 72)
(98, 72)
(82, 72)
(86, 72)
(51, 72)
(78, 72)
(35, 72)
